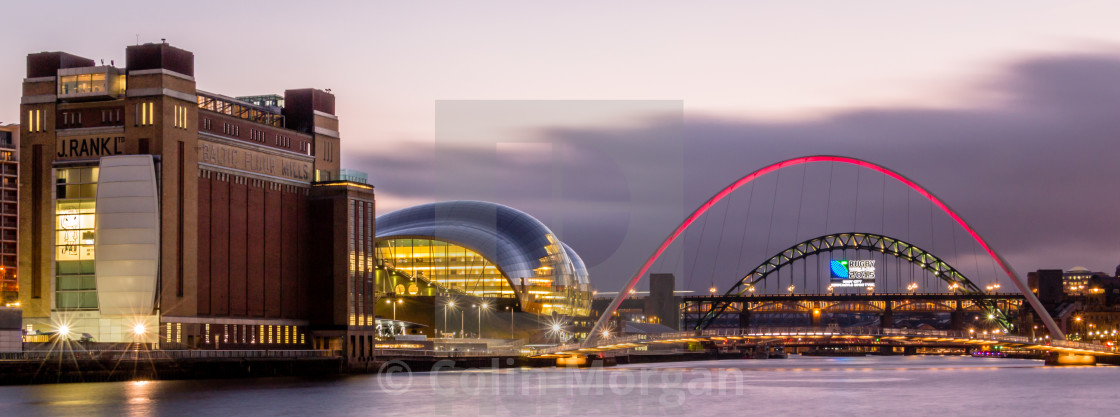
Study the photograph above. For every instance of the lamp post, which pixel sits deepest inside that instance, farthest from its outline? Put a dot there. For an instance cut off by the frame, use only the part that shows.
(511, 332)
(559, 332)
(484, 305)
(399, 301)
(450, 304)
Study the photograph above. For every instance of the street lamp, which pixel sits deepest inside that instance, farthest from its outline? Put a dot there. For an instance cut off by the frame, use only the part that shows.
(512, 334)
(450, 304)
(484, 305)
(790, 288)
(399, 301)
(712, 290)
(913, 286)
(557, 330)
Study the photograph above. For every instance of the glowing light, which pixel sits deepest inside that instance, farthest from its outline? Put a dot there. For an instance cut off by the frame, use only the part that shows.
(63, 330)
(139, 329)
(556, 327)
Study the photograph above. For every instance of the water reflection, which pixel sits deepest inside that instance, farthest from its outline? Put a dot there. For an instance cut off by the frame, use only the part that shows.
(798, 386)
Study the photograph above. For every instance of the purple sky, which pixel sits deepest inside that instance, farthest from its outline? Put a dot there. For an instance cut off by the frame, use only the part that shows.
(611, 122)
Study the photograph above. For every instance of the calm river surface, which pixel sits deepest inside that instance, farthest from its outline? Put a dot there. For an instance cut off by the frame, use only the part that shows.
(803, 386)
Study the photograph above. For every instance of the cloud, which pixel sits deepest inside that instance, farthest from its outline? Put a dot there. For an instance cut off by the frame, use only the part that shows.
(1034, 171)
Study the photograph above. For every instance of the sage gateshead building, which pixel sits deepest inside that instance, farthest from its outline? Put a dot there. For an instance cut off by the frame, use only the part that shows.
(154, 212)
(482, 250)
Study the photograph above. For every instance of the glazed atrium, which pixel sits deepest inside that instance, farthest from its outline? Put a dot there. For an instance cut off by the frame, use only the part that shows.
(483, 250)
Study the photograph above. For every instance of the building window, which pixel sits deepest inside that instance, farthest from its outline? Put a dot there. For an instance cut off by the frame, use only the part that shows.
(145, 113)
(180, 117)
(110, 116)
(71, 119)
(75, 215)
(82, 83)
(35, 121)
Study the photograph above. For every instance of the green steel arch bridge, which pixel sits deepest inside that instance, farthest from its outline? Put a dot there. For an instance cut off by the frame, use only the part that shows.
(961, 296)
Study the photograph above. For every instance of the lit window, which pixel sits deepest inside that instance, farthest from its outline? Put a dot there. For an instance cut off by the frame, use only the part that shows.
(75, 215)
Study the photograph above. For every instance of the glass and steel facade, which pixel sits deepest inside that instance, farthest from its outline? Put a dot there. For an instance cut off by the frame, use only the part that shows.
(452, 267)
(486, 250)
(75, 216)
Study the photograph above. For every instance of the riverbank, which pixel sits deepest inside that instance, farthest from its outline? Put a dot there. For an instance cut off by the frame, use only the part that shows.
(70, 370)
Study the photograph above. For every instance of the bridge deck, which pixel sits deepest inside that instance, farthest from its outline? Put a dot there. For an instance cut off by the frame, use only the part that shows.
(941, 336)
(848, 297)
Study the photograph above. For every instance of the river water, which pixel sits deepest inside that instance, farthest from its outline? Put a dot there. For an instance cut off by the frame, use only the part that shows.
(802, 386)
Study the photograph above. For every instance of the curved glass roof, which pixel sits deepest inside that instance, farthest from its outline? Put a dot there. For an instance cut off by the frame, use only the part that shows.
(577, 263)
(522, 247)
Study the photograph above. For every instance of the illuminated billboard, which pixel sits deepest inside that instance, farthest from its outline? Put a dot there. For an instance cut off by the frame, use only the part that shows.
(852, 273)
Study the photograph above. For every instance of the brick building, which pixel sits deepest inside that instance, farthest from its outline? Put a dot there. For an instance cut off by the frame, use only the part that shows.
(148, 204)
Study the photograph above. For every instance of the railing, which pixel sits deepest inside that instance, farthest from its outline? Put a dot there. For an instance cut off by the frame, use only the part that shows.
(415, 353)
(166, 354)
(609, 343)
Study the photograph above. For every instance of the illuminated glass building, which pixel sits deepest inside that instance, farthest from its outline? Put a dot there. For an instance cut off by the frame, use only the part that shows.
(484, 250)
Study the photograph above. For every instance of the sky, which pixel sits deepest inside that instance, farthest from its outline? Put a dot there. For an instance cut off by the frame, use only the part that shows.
(611, 122)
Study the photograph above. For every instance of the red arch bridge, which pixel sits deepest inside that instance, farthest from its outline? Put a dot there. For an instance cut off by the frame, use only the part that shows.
(961, 298)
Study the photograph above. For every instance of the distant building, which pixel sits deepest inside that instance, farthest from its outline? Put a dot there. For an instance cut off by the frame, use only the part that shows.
(660, 306)
(9, 213)
(1047, 284)
(1075, 281)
